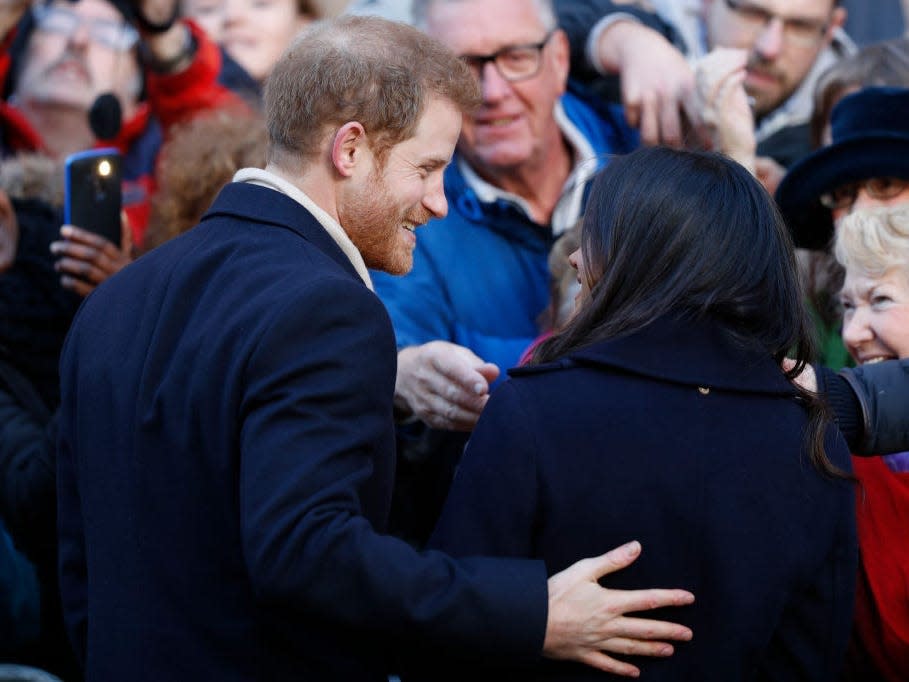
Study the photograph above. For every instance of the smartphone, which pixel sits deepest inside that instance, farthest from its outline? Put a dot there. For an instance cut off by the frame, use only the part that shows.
(92, 192)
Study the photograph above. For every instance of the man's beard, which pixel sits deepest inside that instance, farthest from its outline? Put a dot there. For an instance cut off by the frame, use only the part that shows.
(374, 223)
(765, 68)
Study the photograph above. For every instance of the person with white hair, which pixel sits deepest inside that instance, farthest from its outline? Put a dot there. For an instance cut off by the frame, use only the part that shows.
(873, 246)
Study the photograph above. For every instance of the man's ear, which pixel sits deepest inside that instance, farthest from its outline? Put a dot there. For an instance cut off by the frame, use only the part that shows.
(9, 232)
(837, 20)
(560, 54)
(348, 148)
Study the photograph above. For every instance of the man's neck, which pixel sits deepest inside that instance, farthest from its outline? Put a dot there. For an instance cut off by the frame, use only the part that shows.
(541, 181)
(314, 180)
(63, 129)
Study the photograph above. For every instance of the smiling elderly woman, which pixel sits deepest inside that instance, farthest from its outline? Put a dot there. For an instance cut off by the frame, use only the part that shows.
(873, 245)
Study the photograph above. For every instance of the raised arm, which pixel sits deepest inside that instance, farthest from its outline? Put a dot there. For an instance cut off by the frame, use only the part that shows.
(882, 392)
(868, 404)
(655, 78)
(182, 64)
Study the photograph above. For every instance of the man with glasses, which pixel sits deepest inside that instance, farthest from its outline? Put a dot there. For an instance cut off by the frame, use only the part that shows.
(470, 307)
(788, 44)
(76, 74)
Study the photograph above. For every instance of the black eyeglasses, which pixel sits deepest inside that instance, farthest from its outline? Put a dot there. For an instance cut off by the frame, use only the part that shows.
(876, 188)
(513, 62)
(801, 31)
(115, 35)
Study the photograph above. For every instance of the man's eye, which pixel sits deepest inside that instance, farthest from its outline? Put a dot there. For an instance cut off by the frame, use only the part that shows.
(517, 56)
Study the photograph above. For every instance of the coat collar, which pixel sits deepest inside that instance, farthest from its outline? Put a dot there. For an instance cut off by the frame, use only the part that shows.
(259, 176)
(697, 353)
(258, 204)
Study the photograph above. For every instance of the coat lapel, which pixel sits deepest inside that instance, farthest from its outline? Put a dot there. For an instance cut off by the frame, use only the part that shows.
(255, 203)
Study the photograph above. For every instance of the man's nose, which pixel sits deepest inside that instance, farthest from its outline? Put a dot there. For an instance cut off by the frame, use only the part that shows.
(435, 201)
(769, 42)
(81, 35)
(494, 87)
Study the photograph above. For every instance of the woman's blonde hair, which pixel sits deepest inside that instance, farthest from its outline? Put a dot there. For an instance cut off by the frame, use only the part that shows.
(874, 240)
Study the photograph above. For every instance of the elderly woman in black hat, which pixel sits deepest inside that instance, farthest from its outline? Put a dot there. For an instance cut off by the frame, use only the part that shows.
(866, 164)
(861, 167)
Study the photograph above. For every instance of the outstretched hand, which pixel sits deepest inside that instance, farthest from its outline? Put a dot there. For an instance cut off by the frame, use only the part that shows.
(586, 620)
(86, 259)
(444, 384)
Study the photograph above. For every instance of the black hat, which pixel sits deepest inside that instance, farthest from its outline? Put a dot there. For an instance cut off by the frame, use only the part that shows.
(870, 131)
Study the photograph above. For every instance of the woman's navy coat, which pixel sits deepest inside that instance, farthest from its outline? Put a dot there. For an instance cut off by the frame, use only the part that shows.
(678, 438)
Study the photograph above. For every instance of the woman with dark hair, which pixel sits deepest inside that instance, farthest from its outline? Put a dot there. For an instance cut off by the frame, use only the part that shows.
(660, 413)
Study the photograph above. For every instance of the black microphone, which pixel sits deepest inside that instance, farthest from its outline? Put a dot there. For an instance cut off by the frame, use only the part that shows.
(106, 116)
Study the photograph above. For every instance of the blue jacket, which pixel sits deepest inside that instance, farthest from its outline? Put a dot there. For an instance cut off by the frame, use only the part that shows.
(679, 438)
(225, 468)
(480, 277)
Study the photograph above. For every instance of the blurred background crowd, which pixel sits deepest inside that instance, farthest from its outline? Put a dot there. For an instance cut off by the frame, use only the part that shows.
(811, 96)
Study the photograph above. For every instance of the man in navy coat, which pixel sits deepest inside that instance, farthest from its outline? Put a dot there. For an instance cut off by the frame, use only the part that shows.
(227, 440)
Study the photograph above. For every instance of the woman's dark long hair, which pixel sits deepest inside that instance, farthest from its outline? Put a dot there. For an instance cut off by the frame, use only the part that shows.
(670, 233)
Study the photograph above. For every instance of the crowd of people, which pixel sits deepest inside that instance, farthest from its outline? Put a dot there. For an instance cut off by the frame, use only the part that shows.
(457, 339)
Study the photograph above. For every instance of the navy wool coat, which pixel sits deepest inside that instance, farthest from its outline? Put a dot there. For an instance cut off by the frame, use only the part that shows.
(680, 439)
(225, 469)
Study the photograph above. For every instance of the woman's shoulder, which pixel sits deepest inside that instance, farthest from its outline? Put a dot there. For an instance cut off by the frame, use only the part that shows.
(692, 353)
